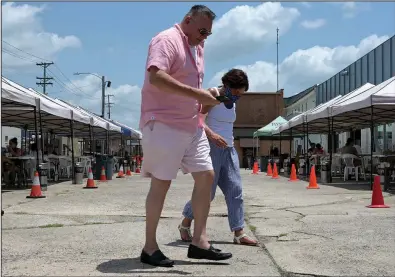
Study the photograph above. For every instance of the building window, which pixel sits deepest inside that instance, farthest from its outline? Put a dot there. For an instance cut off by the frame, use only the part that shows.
(319, 94)
(347, 81)
(379, 64)
(393, 56)
(365, 72)
(333, 88)
(337, 86)
(324, 92)
(6, 139)
(352, 77)
(387, 60)
(358, 74)
(371, 65)
(342, 84)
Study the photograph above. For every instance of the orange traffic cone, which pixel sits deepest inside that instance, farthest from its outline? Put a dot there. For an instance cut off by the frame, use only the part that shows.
(36, 188)
(128, 172)
(120, 173)
(255, 168)
(103, 177)
(275, 172)
(293, 176)
(377, 195)
(269, 169)
(313, 180)
(90, 184)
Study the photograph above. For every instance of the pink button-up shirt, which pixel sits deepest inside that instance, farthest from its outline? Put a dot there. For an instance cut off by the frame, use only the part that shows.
(170, 51)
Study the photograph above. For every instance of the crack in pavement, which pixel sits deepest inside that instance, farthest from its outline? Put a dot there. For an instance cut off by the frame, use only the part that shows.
(309, 234)
(321, 204)
(265, 239)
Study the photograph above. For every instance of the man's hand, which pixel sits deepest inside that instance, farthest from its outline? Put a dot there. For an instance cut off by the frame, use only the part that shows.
(205, 97)
(218, 140)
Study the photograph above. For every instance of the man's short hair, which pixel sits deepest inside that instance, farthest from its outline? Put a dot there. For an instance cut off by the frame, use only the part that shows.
(201, 10)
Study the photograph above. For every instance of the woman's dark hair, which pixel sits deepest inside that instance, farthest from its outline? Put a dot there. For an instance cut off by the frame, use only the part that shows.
(236, 79)
(14, 140)
(349, 141)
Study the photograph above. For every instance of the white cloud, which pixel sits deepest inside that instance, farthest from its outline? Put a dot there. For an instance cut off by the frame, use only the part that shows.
(304, 67)
(22, 28)
(352, 9)
(305, 4)
(127, 99)
(248, 28)
(313, 24)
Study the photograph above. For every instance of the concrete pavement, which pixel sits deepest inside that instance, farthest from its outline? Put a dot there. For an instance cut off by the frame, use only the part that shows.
(76, 232)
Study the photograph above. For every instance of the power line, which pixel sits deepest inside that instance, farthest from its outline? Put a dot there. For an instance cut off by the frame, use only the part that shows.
(109, 104)
(44, 80)
(59, 82)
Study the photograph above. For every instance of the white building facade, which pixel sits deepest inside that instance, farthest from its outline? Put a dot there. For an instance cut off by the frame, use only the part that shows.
(297, 104)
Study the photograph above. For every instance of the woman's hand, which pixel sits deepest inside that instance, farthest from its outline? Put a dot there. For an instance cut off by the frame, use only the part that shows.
(218, 140)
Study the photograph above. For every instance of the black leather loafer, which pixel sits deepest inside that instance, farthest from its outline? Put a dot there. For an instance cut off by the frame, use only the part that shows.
(156, 259)
(211, 254)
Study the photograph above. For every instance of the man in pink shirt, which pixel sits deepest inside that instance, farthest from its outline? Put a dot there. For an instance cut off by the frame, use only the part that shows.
(172, 127)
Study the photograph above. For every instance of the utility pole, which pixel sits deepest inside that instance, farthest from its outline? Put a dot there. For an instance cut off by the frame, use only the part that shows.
(109, 104)
(103, 95)
(277, 59)
(44, 80)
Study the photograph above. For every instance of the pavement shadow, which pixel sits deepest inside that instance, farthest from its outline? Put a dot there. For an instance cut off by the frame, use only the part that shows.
(133, 265)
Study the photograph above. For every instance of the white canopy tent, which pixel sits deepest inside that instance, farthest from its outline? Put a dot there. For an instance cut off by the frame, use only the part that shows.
(99, 127)
(295, 123)
(81, 121)
(373, 106)
(135, 134)
(319, 119)
(55, 116)
(14, 93)
(112, 128)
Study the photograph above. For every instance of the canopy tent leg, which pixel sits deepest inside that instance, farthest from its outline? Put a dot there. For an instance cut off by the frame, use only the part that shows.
(290, 146)
(42, 134)
(330, 148)
(122, 154)
(371, 146)
(72, 148)
(305, 149)
(307, 141)
(108, 142)
(91, 144)
(36, 139)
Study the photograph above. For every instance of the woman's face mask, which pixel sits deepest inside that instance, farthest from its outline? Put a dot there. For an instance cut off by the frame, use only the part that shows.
(233, 98)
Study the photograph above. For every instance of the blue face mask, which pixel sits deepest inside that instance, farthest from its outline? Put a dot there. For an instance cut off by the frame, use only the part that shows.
(233, 98)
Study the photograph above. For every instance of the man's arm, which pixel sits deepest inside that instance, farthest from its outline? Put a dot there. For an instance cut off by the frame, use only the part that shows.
(161, 56)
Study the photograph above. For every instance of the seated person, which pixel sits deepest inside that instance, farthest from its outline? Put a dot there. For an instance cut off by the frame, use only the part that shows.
(11, 167)
(310, 151)
(319, 150)
(350, 149)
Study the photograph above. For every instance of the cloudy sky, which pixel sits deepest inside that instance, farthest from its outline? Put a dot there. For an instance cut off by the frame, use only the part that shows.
(316, 41)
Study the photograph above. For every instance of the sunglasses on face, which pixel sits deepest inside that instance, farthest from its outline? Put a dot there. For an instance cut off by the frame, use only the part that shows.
(204, 32)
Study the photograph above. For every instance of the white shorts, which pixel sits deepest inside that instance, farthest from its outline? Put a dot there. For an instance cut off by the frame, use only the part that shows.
(166, 150)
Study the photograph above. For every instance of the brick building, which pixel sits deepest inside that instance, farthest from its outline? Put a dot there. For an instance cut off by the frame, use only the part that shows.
(253, 111)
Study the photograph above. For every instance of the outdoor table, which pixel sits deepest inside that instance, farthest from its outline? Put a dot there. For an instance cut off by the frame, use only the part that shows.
(23, 172)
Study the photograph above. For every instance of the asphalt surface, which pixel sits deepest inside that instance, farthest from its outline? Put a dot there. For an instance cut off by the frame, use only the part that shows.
(77, 232)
